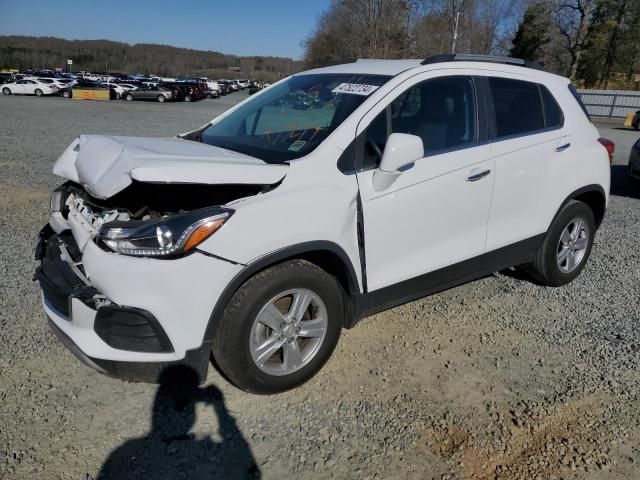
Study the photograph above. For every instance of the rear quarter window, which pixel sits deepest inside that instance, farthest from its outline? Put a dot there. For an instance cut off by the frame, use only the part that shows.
(576, 94)
(553, 116)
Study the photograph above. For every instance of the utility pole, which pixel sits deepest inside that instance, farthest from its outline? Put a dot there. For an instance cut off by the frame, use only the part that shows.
(455, 33)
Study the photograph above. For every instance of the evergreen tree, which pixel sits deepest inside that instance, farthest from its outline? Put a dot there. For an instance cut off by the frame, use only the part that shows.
(532, 33)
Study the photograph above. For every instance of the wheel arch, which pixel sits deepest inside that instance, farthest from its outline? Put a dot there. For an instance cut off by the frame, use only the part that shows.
(326, 255)
(594, 196)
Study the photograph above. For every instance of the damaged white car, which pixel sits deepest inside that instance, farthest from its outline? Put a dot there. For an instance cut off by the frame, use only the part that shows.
(331, 195)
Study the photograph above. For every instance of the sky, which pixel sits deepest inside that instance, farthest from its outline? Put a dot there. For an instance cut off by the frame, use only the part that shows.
(240, 27)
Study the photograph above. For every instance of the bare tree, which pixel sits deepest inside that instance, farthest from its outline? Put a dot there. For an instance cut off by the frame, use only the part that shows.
(573, 19)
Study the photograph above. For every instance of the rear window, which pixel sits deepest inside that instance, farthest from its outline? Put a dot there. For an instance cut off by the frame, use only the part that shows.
(576, 94)
(517, 106)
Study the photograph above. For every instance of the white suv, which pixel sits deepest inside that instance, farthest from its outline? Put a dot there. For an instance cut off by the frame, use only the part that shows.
(336, 193)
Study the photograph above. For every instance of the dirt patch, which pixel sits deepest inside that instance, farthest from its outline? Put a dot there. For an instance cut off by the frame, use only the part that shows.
(12, 196)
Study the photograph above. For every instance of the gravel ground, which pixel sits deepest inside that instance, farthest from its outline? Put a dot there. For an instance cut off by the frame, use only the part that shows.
(499, 378)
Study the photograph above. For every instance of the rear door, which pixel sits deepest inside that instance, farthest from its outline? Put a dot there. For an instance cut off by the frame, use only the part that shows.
(529, 141)
(435, 213)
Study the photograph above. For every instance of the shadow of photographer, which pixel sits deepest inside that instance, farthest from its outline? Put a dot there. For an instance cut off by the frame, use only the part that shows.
(171, 451)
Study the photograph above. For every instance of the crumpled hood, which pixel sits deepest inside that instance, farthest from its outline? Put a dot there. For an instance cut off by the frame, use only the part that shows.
(105, 165)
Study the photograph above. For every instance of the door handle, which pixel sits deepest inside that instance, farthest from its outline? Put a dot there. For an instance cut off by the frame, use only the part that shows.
(562, 148)
(477, 176)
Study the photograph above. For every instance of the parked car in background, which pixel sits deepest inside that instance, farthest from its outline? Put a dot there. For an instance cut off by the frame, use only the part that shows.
(208, 93)
(244, 83)
(190, 91)
(128, 86)
(634, 161)
(158, 93)
(29, 87)
(225, 87)
(212, 85)
(6, 77)
(120, 91)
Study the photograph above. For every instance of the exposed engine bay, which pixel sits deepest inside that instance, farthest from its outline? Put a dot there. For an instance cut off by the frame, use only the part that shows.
(144, 201)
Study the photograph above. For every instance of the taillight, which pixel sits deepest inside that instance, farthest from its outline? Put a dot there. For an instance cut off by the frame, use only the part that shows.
(609, 146)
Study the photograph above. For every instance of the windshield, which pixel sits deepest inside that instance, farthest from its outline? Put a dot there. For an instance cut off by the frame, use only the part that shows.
(292, 118)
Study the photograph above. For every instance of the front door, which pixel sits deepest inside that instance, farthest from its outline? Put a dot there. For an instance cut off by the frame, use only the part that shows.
(435, 213)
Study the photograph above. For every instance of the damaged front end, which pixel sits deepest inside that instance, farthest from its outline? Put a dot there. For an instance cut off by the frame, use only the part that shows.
(146, 219)
(129, 205)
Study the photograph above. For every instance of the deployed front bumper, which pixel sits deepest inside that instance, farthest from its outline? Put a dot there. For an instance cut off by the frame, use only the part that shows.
(129, 317)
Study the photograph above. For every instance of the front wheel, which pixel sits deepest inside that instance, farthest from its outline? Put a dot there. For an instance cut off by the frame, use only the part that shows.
(38, 92)
(187, 98)
(161, 98)
(66, 94)
(6, 91)
(279, 328)
(566, 247)
(129, 97)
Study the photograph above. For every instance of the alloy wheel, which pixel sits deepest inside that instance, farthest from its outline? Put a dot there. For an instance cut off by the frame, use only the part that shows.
(288, 332)
(573, 244)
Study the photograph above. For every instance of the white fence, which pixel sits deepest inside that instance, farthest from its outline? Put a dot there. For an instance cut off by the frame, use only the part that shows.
(610, 103)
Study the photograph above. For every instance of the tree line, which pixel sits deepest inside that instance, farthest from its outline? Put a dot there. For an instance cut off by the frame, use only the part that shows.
(24, 53)
(596, 43)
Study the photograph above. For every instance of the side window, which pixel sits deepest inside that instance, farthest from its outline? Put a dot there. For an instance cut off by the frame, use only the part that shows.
(517, 105)
(441, 111)
(406, 105)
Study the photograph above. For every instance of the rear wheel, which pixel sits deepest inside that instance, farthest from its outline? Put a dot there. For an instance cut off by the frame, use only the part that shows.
(279, 328)
(566, 247)
(66, 94)
(38, 92)
(6, 91)
(187, 98)
(128, 97)
(161, 98)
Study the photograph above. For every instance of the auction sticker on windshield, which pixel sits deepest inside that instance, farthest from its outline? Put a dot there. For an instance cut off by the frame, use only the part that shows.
(297, 145)
(355, 89)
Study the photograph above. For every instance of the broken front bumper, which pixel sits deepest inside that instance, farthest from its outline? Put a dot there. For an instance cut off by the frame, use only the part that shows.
(128, 317)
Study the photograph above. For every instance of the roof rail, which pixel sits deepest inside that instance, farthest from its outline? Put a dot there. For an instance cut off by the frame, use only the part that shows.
(343, 61)
(465, 57)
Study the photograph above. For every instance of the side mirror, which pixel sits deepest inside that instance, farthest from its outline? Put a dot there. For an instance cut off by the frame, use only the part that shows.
(401, 151)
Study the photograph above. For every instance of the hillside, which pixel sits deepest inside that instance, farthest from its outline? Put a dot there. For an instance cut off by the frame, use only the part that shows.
(104, 55)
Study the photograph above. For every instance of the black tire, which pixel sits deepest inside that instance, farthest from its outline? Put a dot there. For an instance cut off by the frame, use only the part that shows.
(66, 94)
(231, 342)
(545, 267)
(187, 98)
(6, 91)
(38, 92)
(161, 98)
(128, 97)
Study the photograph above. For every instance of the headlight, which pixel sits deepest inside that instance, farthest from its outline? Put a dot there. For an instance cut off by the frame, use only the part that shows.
(171, 235)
